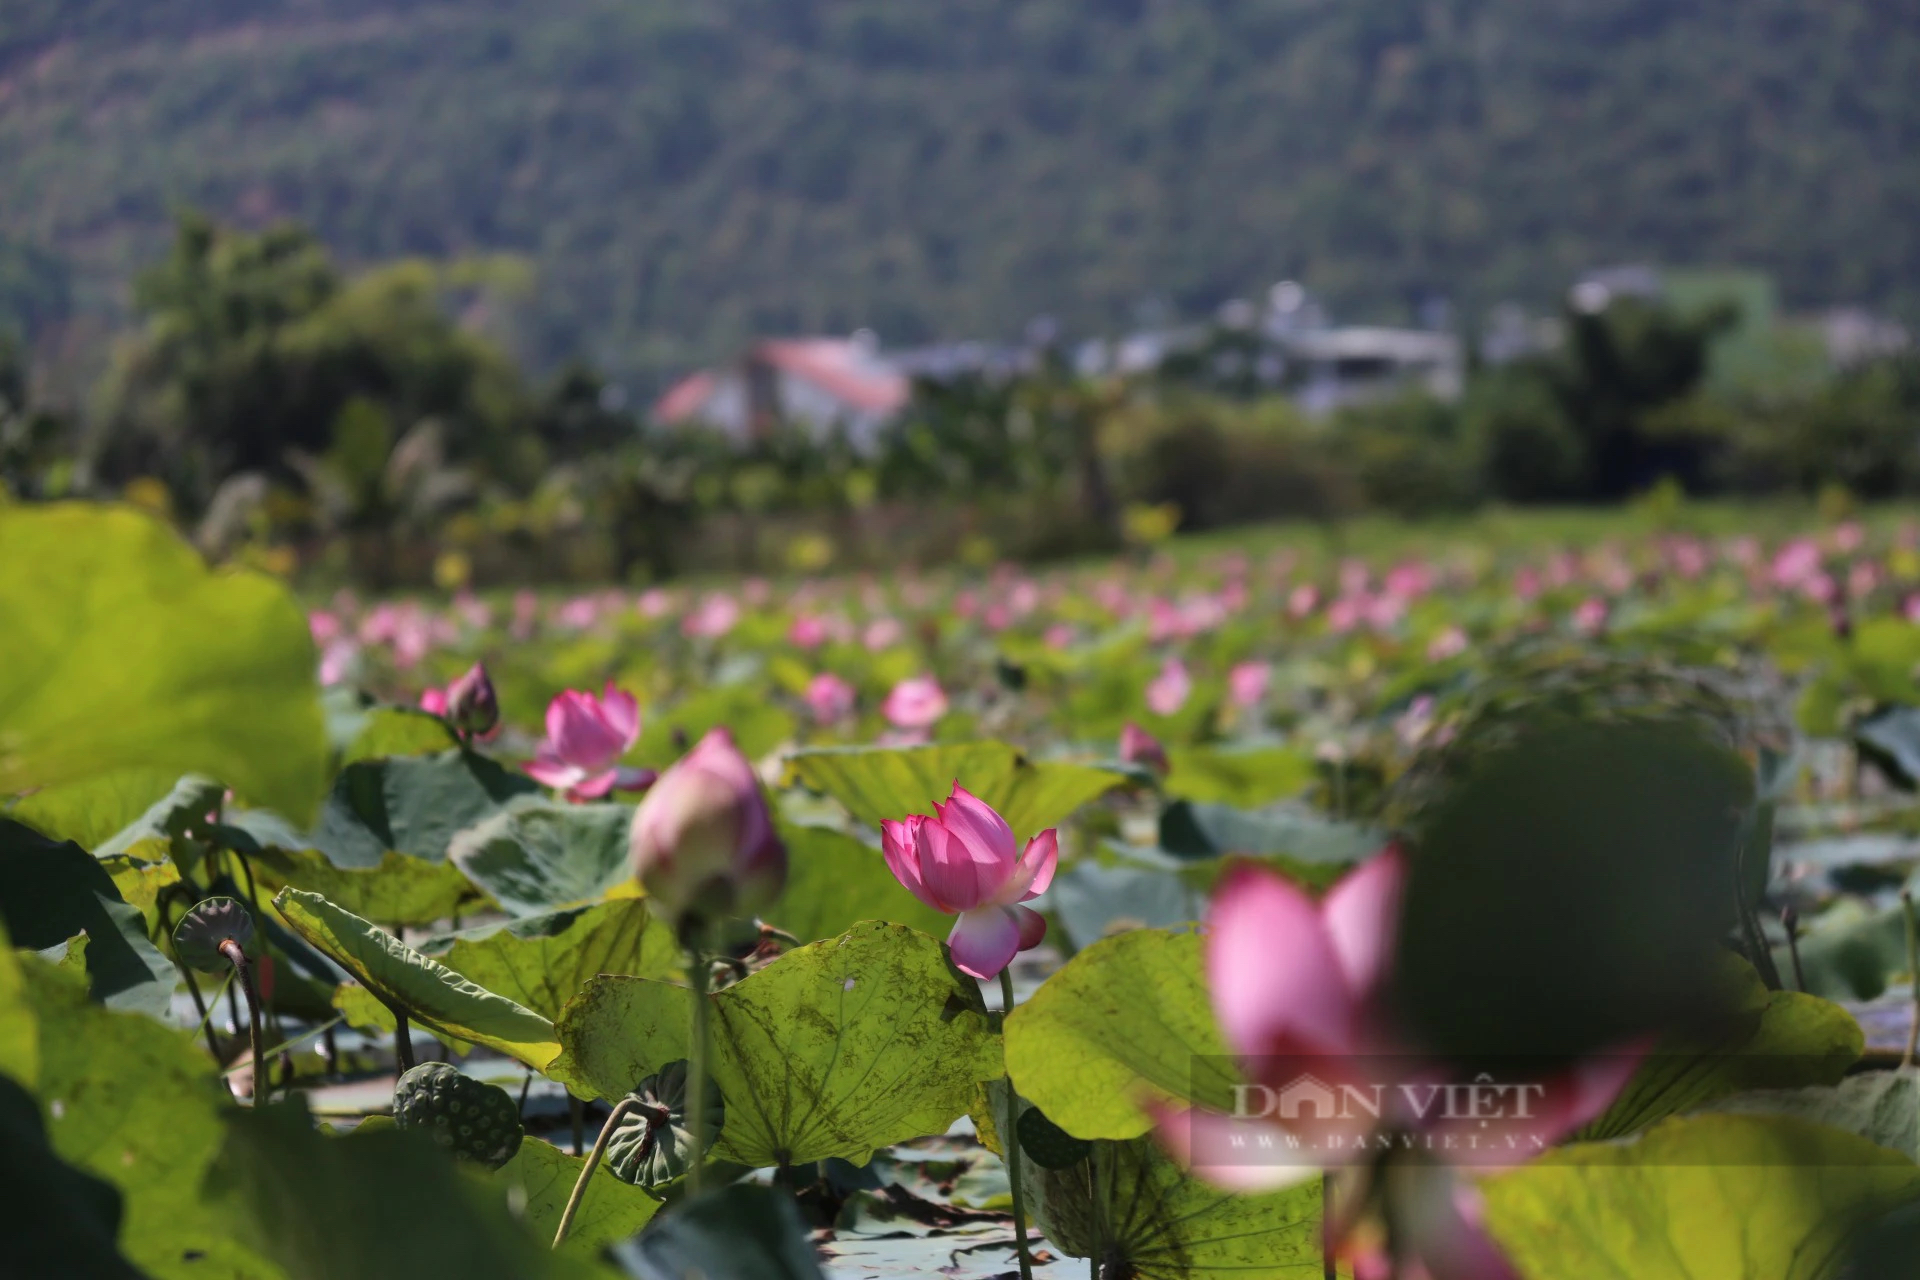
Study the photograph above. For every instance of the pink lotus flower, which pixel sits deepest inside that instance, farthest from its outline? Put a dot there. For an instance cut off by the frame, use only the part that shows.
(715, 616)
(963, 860)
(1303, 600)
(915, 703)
(1450, 643)
(1590, 616)
(1169, 691)
(1247, 683)
(433, 701)
(807, 632)
(882, 633)
(703, 841)
(586, 736)
(1293, 980)
(829, 698)
(1137, 746)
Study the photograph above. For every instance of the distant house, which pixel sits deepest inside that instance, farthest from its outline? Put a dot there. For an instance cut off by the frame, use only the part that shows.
(821, 385)
(1353, 365)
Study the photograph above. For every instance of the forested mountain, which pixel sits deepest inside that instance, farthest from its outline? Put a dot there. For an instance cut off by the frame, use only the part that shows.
(686, 172)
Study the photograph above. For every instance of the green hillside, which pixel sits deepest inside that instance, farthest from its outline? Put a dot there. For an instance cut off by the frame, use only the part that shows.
(686, 172)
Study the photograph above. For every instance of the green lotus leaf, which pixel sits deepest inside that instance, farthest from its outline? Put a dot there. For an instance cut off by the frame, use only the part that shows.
(545, 1176)
(399, 731)
(834, 881)
(1697, 1198)
(401, 889)
(98, 810)
(1881, 1106)
(653, 1144)
(124, 651)
(891, 782)
(543, 961)
(538, 855)
(427, 991)
(1244, 779)
(834, 1050)
(138, 1104)
(1126, 1022)
(376, 1203)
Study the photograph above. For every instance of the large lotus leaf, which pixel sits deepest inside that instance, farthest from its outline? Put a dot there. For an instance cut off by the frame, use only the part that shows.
(377, 1203)
(138, 1103)
(125, 651)
(402, 889)
(399, 731)
(1881, 1106)
(1142, 1215)
(19, 1029)
(875, 783)
(1770, 1040)
(427, 991)
(543, 961)
(186, 804)
(49, 892)
(1697, 1198)
(1851, 955)
(1092, 897)
(57, 1220)
(835, 1049)
(411, 804)
(93, 811)
(1126, 1022)
(544, 1176)
(834, 881)
(538, 855)
(742, 1230)
(1246, 779)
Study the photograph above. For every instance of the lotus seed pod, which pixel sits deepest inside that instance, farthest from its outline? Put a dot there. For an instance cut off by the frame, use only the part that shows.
(470, 1119)
(1047, 1144)
(197, 938)
(653, 1143)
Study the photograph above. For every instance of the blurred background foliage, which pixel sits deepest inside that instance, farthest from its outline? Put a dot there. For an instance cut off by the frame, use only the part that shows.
(373, 426)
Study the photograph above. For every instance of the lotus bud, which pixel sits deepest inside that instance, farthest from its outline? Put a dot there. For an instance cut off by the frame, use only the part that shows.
(472, 705)
(703, 841)
(1139, 747)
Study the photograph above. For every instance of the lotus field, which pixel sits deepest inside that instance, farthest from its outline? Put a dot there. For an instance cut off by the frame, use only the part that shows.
(1517, 899)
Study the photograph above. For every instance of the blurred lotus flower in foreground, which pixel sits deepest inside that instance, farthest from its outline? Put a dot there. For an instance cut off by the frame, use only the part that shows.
(1137, 746)
(1294, 981)
(1247, 683)
(1168, 691)
(703, 841)
(586, 736)
(915, 703)
(829, 698)
(963, 860)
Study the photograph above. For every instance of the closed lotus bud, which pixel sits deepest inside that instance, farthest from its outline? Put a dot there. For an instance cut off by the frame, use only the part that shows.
(1137, 746)
(472, 705)
(703, 841)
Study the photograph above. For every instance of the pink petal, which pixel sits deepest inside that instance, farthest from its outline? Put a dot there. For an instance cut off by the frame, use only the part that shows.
(552, 772)
(1035, 871)
(948, 870)
(1272, 969)
(898, 844)
(1197, 1139)
(594, 787)
(984, 832)
(621, 712)
(1032, 925)
(1360, 915)
(984, 940)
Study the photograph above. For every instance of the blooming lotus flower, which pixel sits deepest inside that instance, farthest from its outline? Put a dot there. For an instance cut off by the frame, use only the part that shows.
(1247, 683)
(1137, 746)
(829, 698)
(586, 736)
(963, 861)
(1169, 691)
(915, 703)
(703, 841)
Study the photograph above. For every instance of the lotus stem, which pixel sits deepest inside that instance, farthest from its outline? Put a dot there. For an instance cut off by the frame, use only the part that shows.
(1010, 1142)
(402, 1039)
(238, 959)
(1913, 977)
(700, 975)
(577, 1113)
(1790, 922)
(593, 1162)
